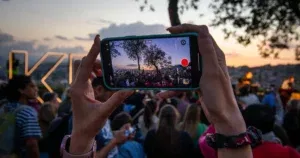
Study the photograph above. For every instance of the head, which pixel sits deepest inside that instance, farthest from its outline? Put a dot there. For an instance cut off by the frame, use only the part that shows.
(151, 108)
(100, 91)
(292, 79)
(21, 88)
(119, 120)
(51, 98)
(191, 119)
(293, 105)
(260, 116)
(47, 113)
(245, 90)
(169, 116)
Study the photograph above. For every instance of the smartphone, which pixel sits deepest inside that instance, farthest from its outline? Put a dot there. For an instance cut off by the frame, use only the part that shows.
(130, 131)
(162, 62)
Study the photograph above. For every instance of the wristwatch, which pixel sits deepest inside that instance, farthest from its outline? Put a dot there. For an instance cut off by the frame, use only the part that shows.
(252, 136)
(64, 149)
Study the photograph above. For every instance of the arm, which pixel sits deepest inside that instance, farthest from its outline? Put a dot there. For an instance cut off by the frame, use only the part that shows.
(106, 149)
(32, 148)
(29, 130)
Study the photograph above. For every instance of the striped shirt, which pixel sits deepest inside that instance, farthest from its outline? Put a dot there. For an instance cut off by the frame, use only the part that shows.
(27, 125)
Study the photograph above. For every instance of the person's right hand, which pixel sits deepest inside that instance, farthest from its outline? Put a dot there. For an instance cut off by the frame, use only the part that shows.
(120, 137)
(215, 84)
(89, 115)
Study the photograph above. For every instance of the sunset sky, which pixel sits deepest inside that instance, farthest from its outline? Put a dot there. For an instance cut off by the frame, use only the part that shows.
(70, 25)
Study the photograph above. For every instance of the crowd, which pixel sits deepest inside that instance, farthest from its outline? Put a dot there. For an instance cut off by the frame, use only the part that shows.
(176, 126)
(169, 77)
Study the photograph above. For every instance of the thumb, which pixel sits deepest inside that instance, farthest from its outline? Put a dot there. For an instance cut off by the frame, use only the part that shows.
(114, 101)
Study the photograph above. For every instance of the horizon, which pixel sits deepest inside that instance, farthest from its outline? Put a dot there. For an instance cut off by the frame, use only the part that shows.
(55, 26)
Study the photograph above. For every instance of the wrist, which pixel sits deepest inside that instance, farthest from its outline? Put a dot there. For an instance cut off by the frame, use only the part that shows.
(114, 142)
(80, 145)
(232, 124)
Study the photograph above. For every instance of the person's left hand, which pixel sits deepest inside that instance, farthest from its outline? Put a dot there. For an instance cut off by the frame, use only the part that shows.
(89, 115)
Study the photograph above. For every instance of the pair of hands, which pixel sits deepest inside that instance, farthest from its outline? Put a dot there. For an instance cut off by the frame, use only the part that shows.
(218, 99)
(120, 137)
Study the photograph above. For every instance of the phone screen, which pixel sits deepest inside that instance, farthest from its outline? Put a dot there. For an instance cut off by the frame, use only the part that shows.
(147, 63)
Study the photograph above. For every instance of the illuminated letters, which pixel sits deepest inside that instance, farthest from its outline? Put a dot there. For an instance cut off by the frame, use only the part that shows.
(61, 56)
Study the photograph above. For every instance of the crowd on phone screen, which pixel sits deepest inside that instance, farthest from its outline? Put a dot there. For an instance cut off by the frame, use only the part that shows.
(174, 127)
(174, 77)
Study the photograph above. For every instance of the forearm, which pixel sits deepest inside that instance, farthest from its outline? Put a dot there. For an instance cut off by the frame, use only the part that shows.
(106, 149)
(233, 124)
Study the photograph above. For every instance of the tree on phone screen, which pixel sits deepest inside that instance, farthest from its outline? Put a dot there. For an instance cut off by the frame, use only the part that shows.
(155, 57)
(135, 50)
(113, 49)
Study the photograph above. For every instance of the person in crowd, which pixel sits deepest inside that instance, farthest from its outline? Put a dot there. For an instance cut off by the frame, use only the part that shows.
(130, 148)
(19, 91)
(246, 97)
(192, 124)
(183, 103)
(291, 122)
(149, 120)
(214, 82)
(47, 113)
(272, 99)
(261, 117)
(65, 106)
(51, 98)
(167, 140)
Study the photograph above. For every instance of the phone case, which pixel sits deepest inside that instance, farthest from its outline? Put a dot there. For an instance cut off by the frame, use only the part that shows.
(145, 37)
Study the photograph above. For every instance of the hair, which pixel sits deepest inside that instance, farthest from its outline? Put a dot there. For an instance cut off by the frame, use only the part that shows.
(293, 105)
(260, 116)
(14, 85)
(149, 111)
(46, 115)
(191, 120)
(167, 136)
(245, 90)
(98, 81)
(119, 120)
(47, 97)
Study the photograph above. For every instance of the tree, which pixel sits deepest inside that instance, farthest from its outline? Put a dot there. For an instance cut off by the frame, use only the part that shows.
(134, 50)
(154, 56)
(113, 50)
(275, 22)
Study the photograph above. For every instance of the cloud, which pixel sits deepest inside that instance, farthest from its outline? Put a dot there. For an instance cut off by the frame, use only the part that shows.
(137, 28)
(132, 65)
(47, 39)
(8, 43)
(99, 22)
(61, 38)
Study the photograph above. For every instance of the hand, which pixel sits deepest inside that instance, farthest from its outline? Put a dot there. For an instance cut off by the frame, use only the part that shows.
(215, 85)
(89, 115)
(120, 136)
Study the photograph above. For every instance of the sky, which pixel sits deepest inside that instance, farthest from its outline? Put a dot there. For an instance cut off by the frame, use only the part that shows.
(171, 46)
(40, 26)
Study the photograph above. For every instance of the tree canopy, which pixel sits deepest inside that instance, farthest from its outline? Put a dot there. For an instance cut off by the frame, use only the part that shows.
(134, 49)
(155, 57)
(276, 23)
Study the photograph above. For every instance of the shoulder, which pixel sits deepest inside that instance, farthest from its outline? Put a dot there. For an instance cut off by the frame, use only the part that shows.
(26, 111)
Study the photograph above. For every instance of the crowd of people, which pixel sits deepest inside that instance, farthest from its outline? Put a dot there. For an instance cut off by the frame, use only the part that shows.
(175, 126)
(169, 77)
(157, 122)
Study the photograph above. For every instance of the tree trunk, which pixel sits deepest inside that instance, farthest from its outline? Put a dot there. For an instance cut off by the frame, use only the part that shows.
(138, 61)
(173, 12)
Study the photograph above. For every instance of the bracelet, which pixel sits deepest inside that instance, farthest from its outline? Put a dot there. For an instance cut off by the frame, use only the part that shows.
(251, 137)
(64, 149)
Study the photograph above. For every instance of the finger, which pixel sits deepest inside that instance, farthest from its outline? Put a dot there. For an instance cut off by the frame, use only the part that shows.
(168, 94)
(202, 30)
(205, 45)
(126, 126)
(87, 63)
(114, 101)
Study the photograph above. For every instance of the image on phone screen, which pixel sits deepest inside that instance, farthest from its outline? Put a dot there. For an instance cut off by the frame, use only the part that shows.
(147, 63)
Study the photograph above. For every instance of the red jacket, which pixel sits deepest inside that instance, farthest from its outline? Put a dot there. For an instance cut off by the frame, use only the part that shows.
(274, 150)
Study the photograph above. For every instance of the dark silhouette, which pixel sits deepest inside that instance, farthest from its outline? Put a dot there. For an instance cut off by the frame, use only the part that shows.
(134, 50)
(156, 57)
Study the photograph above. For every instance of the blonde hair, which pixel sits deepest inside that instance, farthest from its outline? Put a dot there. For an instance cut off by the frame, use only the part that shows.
(191, 120)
